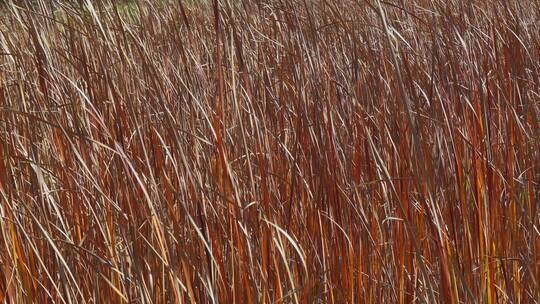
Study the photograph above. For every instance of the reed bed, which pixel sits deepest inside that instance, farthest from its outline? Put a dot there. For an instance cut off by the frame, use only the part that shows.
(270, 151)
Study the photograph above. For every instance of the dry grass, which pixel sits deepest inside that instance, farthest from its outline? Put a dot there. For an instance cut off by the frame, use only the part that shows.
(271, 151)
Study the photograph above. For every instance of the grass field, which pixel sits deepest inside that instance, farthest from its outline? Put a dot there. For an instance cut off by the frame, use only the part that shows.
(270, 151)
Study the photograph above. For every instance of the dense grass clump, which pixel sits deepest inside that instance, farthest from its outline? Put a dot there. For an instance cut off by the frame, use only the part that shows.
(270, 151)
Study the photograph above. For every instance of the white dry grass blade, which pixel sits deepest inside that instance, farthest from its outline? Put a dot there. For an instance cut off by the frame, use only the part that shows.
(281, 251)
(203, 240)
(114, 288)
(164, 262)
(45, 189)
(156, 223)
(90, 7)
(42, 263)
(97, 115)
(291, 240)
(190, 218)
(57, 251)
(198, 230)
(209, 290)
(34, 249)
(340, 228)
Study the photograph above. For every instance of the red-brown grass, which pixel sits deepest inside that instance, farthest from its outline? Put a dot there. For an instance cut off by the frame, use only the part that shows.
(270, 151)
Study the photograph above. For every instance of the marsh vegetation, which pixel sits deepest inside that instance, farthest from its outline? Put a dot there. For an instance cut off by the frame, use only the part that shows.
(270, 151)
